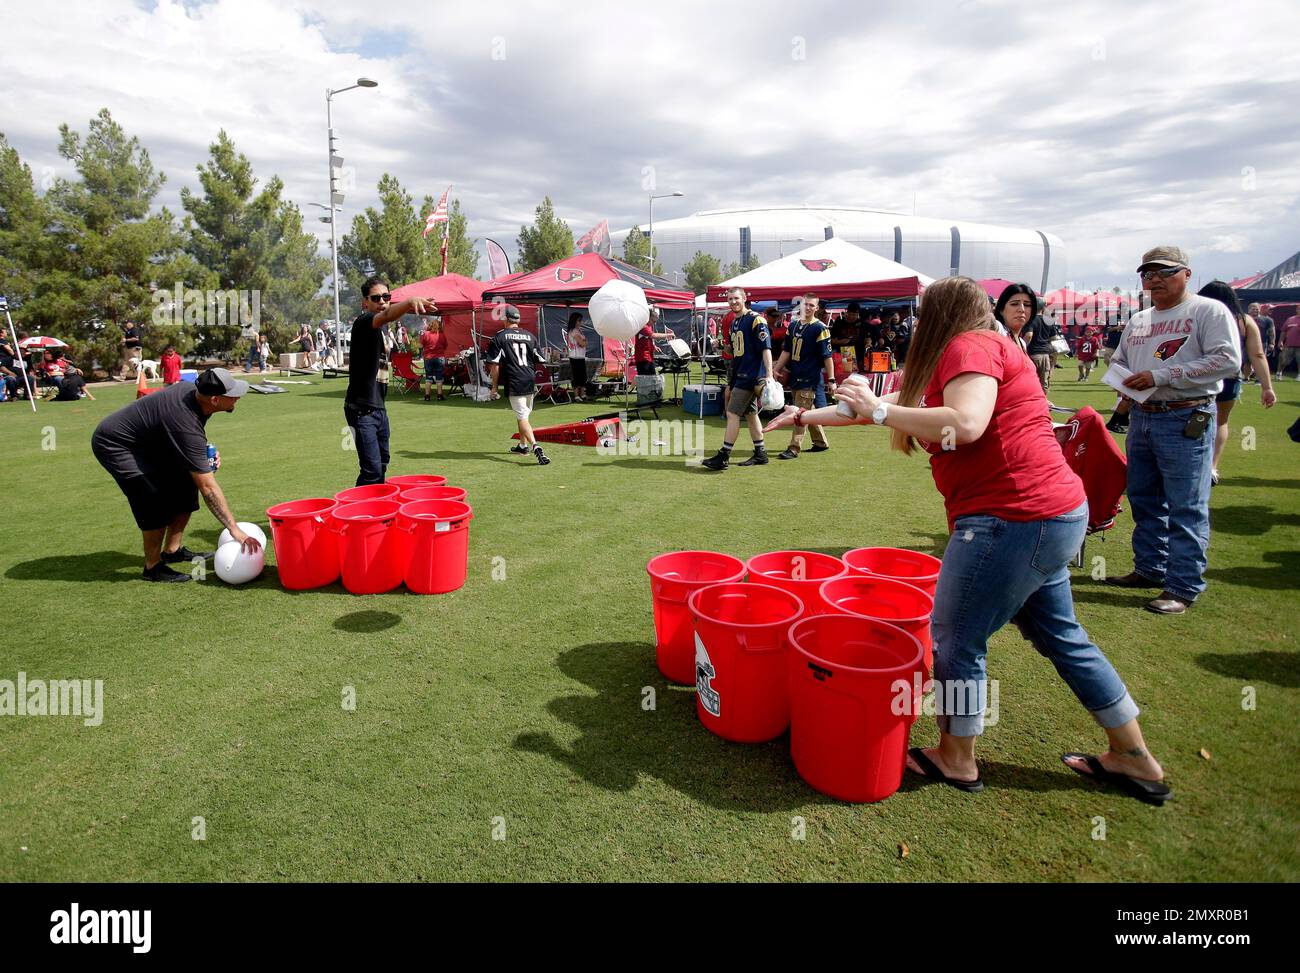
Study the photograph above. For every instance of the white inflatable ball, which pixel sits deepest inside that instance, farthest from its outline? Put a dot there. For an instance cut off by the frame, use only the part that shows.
(252, 530)
(233, 566)
(618, 310)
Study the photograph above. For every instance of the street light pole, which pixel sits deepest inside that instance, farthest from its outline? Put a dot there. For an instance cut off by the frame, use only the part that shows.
(337, 197)
(650, 235)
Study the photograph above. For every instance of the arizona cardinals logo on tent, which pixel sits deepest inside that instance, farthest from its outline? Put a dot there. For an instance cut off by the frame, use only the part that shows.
(818, 265)
(567, 275)
(1170, 348)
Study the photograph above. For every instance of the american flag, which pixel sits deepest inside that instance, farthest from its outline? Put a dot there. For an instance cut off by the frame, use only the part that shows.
(439, 214)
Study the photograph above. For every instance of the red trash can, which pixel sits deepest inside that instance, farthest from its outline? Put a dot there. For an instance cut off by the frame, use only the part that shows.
(913, 567)
(674, 578)
(852, 683)
(886, 600)
(306, 548)
(372, 552)
(371, 491)
(412, 480)
(741, 644)
(411, 494)
(437, 544)
(799, 572)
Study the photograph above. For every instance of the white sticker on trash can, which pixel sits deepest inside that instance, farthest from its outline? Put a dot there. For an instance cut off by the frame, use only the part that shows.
(704, 673)
(441, 527)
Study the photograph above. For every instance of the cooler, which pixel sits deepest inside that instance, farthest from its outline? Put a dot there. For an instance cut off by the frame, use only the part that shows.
(189, 374)
(712, 395)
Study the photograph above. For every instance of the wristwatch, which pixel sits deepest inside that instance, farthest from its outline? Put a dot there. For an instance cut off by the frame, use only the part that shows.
(880, 413)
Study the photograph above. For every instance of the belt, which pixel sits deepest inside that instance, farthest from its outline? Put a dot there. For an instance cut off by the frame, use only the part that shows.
(1170, 406)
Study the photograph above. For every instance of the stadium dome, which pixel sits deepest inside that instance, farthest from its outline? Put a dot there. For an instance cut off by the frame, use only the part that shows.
(932, 246)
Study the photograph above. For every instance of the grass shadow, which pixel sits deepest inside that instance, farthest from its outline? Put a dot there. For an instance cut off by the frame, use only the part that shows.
(366, 621)
(1010, 777)
(620, 741)
(1249, 520)
(1284, 576)
(99, 566)
(1101, 594)
(1278, 668)
(1255, 481)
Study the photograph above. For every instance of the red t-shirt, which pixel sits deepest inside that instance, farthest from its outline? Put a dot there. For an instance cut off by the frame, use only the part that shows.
(725, 327)
(1016, 470)
(433, 345)
(171, 368)
(645, 345)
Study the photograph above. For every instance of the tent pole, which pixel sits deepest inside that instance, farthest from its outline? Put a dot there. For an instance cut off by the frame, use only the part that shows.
(473, 337)
(22, 362)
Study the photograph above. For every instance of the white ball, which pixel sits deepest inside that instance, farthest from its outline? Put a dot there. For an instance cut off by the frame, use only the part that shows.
(252, 530)
(233, 566)
(618, 310)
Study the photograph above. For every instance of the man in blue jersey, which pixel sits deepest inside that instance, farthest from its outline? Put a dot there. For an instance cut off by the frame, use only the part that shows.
(807, 353)
(751, 353)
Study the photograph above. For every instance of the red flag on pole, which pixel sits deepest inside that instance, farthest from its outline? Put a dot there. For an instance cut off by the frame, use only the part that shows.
(595, 240)
(439, 214)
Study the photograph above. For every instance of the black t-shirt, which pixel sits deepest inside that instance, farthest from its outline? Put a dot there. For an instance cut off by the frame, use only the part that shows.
(132, 337)
(161, 432)
(1041, 341)
(516, 350)
(1113, 336)
(7, 357)
(366, 350)
(1266, 331)
(70, 391)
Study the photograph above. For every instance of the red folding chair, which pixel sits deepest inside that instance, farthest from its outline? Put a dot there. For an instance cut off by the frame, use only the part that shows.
(403, 369)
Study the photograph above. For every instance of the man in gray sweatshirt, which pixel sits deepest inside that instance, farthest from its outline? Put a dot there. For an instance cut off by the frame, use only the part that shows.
(1182, 347)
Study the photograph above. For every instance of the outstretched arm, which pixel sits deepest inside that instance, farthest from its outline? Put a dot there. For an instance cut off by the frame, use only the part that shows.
(216, 501)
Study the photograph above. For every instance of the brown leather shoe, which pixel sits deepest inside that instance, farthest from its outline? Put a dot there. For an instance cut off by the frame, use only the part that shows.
(1168, 604)
(1133, 580)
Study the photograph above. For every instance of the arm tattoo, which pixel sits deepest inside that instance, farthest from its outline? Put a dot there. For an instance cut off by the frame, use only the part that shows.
(216, 502)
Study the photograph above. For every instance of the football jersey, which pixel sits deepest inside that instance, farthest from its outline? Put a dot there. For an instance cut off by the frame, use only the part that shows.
(809, 345)
(749, 336)
(515, 350)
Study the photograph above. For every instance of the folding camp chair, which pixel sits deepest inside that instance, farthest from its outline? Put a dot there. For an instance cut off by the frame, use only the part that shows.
(401, 361)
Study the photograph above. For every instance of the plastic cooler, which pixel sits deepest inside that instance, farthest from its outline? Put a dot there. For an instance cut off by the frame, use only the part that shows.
(886, 600)
(801, 573)
(741, 646)
(306, 548)
(437, 544)
(411, 494)
(371, 491)
(711, 394)
(673, 579)
(372, 554)
(189, 374)
(412, 480)
(852, 683)
(913, 567)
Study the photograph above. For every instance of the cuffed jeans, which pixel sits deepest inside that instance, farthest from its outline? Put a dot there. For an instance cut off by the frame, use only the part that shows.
(370, 435)
(995, 571)
(1169, 496)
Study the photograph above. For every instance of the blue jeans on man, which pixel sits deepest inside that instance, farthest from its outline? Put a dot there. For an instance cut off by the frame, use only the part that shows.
(370, 436)
(995, 571)
(1169, 497)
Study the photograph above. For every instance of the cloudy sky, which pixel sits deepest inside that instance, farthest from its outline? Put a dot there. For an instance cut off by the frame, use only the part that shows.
(1115, 125)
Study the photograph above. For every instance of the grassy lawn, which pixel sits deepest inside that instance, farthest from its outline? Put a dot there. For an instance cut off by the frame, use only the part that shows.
(521, 699)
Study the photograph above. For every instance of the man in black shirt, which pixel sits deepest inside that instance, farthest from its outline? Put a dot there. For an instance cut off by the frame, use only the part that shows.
(156, 449)
(363, 406)
(132, 345)
(516, 349)
(72, 386)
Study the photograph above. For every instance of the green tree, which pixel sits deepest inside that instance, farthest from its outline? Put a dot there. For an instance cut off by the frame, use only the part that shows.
(636, 251)
(254, 242)
(549, 239)
(462, 252)
(388, 242)
(735, 268)
(23, 220)
(702, 271)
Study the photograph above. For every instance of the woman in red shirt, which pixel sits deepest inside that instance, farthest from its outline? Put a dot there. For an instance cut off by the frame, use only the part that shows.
(1017, 516)
(433, 346)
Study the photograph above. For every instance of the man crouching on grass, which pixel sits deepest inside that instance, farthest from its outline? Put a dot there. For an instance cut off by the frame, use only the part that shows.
(156, 449)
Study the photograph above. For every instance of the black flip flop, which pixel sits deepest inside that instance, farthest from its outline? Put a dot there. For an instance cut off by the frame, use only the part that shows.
(931, 771)
(1151, 791)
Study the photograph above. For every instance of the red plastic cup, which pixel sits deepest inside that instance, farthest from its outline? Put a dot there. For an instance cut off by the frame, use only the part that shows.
(915, 568)
(741, 644)
(886, 600)
(852, 704)
(673, 579)
(801, 573)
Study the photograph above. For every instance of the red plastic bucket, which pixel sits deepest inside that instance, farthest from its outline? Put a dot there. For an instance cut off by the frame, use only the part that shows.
(913, 567)
(799, 572)
(852, 683)
(412, 480)
(372, 554)
(437, 545)
(306, 550)
(411, 494)
(886, 600)
(741, 645)
(371, 491)
(673, 579)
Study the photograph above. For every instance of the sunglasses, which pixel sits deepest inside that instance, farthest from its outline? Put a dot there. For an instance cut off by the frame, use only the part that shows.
(380, 297)
(1165, 272)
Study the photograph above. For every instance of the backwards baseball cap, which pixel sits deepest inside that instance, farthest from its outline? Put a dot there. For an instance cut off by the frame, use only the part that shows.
(512, 313)
(1165, 256)
(219, 381)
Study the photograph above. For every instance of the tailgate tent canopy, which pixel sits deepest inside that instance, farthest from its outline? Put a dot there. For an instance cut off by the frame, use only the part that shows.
(574, 280)
(451, 292)
(835, 270)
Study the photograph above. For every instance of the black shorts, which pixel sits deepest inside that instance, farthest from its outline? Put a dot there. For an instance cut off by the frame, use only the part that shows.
(157, 497)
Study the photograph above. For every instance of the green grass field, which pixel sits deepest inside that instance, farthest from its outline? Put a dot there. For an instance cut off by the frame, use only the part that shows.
(516, 704)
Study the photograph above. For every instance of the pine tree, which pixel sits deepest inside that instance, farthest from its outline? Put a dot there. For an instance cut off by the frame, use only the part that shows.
(702, 271)
(549, 239)
(636, 251)
(389, 243)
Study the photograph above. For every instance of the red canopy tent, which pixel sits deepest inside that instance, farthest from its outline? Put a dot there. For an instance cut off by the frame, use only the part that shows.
(994, 286)
(451, 292)
(574, 280)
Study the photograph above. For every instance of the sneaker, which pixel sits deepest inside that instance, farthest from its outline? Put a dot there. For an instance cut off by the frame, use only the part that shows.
(542, 458)
(758, 459)
(519, 448)
(1168, 604)
(161, 572)
(787, 454)
(1133, 580)
(427, 399)
(819, 448)
(184, 554)
(718, 461)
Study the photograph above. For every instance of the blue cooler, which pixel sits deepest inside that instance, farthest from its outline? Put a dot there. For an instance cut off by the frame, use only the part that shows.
(189, 374)
(711, 394)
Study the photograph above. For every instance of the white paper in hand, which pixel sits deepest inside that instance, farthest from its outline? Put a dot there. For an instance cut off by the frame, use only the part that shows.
(1115, 376)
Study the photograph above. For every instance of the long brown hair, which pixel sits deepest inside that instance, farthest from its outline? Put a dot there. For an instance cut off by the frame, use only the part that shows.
(950, 307)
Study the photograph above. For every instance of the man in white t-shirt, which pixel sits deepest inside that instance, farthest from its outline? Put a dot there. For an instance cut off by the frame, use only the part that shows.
(1183, 347)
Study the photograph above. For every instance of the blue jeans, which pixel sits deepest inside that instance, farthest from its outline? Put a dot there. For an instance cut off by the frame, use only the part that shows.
(370, 435)
(1169, 495)
(995, 571)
